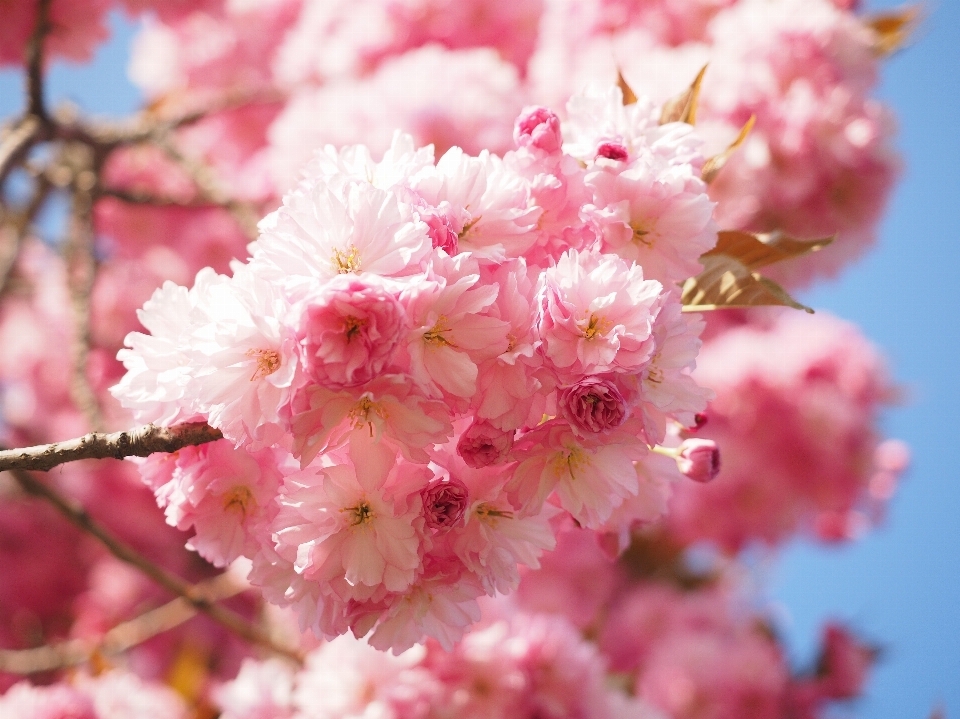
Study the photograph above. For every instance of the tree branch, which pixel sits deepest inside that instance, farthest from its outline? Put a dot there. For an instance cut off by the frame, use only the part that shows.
(17, 143)
(34, 61)
(139, 442)
(81, 275)
(143, 198)
(120, 638)
(78, 516)
(244, 214)
(16, 228)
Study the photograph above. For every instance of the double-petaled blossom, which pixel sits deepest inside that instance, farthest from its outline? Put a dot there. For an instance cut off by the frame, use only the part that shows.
(597, 314)
(349, 330)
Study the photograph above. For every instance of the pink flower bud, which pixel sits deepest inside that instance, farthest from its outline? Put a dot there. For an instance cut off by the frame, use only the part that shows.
(482, 444)
(444, 503)
(613, 151)
(593, 405)
(699, 459)
(844, 663)
(699, 420)
(538, 127)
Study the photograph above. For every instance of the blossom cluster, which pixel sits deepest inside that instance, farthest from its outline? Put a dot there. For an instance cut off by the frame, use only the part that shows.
(424, 362)
(440, 379)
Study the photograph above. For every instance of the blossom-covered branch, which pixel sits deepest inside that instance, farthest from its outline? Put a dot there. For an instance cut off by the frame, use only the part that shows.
(139, 442)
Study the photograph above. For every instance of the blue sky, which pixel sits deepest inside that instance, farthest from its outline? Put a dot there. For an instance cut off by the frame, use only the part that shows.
(900, 586)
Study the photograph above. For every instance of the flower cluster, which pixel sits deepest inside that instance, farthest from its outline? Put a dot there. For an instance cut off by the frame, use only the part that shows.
(423, 363)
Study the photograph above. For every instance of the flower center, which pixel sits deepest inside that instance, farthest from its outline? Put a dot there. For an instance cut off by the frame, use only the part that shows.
(569, 461)
(360, 417)
(595, 326)
(485, 512)
(434, 335)
(268, 362)
(642, 233)
(361, 514)
(352, 326)
(238, 499)
(346, 261)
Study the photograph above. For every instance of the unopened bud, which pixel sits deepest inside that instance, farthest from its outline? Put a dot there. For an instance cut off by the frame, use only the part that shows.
(538, 127)
(699, 459)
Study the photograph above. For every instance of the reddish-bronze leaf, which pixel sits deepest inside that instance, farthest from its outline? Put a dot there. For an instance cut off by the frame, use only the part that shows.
(629, 96)
(726, 283)
(892, 29)
(683, 108)
(756, 251)
(712, 166)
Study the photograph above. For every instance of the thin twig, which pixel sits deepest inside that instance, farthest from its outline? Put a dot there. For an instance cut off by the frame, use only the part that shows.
(139, 442)
(144, 198)
(146, 127)
(17, 143)
(243, 213)
(34, 61)
(17, 227)
(81, 275)
(120, 638)
(78, 516)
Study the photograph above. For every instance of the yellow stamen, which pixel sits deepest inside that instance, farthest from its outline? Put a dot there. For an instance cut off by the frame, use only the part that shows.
(569, 461)
(361, 514)
(641, 233)
(352, 326)
(348, 261)
(595, 326)
(268, 362)
(360, 417)
(434, 335)
(491, 514)
(239, 499)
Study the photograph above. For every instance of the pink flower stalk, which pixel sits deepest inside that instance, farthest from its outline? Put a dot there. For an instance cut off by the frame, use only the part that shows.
(699, 459)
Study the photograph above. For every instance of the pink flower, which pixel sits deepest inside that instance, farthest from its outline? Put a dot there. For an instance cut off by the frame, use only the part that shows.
(444, 502)
(388, 414)
(349, 330)
(656, 215)
(261, 690)
(699, 459)
(349, 523)
(224, 493)
(590, 479)
(482, 444)
(593, 404)
(597, 314)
